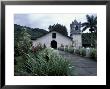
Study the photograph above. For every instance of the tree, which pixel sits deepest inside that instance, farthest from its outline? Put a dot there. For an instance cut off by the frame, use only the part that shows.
(22, 42)
(89, 39)
(91, 23)
(59, 28)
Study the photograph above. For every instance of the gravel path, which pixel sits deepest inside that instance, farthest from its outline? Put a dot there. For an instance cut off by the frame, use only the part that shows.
(83, 66)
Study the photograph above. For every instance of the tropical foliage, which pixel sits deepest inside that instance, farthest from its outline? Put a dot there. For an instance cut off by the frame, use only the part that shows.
(91, 23)
(59, 28)
(89, 39)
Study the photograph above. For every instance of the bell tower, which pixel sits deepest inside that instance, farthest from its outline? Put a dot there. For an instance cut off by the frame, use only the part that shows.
(75, 33)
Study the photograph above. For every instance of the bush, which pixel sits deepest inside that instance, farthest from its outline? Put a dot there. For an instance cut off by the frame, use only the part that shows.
(71, 50)
(77, 51)
(66, 49)
(61, 48)
(93, 54)
(38, 48)
(83, 52)
(22, 43)
(44, 63)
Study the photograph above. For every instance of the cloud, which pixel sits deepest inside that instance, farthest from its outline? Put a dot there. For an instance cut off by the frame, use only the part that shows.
(44, 20)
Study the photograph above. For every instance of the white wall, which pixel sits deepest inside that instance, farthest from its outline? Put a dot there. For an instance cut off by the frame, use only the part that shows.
(77, 40)
(46, 39)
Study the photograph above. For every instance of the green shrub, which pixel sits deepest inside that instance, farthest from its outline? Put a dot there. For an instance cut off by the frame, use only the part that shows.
(77, 51)
(22, 43)
(71, 50)
(61, 48)
(93, 54)
(83, 52)
(37, 48)
(66, 49)
(44, 63)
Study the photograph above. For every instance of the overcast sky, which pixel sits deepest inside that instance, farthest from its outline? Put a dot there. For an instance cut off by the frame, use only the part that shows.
(43, 21)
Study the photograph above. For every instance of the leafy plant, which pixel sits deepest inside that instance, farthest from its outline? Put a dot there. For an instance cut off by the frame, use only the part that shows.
(38, 47)
(91, 23)
(71, 50)
(83, 52)
(45, 63)
(23, 43)
(66, 49)
(93, 54)
(89, 39)
(77, 51)
(61, 48)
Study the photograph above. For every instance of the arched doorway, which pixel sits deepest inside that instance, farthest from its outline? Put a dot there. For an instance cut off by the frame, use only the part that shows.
(54, 44)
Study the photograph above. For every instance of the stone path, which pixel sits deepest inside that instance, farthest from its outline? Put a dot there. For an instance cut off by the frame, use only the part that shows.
(83, 66)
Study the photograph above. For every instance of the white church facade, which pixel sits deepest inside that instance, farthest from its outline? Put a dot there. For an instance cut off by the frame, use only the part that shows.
(55, 39)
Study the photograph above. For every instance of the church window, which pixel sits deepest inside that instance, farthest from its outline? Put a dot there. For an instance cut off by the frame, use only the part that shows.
(53, 35)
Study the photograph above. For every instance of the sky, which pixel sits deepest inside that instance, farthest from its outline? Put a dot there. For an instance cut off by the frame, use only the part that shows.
(43, 21)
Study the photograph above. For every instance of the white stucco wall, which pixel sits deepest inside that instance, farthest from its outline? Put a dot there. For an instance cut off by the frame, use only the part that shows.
(77, 40)
(46, 39)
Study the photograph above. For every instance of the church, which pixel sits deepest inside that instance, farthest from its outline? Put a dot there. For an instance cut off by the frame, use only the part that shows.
(55, 39)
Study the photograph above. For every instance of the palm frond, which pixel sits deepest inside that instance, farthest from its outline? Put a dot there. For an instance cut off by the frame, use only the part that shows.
(91, 23)
(84, 28)
(88, 18)
(85, 24)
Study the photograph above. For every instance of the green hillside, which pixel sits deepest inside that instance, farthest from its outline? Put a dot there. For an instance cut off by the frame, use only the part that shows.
(34, 32)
